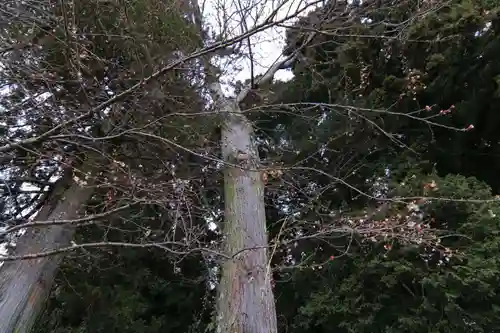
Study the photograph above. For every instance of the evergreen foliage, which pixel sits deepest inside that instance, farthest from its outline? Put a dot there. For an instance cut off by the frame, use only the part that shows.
(384, 106)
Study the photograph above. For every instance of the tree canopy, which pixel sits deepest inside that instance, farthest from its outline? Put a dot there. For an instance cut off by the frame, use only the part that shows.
(379, 160)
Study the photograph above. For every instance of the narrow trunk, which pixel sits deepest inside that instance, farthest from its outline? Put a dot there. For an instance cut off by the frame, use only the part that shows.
(25, 285)
(246, 301)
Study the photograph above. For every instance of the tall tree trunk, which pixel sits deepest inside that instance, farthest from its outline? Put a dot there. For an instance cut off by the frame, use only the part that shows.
(25, 285)
(246, 301)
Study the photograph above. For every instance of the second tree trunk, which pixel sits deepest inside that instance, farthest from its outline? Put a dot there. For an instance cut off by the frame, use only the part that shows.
(25, 285)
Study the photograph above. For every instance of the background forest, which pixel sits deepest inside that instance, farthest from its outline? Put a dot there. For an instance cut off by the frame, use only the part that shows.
(380, 162)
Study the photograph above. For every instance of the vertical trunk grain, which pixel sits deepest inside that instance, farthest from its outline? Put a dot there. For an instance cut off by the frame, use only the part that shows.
(245, 301)
(25, 285)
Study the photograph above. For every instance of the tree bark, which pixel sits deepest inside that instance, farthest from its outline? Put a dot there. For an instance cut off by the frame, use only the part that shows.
(245, 301)
(25, 284)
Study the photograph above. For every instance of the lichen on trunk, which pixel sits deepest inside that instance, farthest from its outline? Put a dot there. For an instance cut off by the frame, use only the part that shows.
(246, 301)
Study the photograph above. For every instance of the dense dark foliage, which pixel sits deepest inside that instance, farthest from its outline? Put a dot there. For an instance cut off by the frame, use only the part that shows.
(385, 107)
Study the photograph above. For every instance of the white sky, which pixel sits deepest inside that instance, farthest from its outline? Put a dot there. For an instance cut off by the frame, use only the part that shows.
(267, 45)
